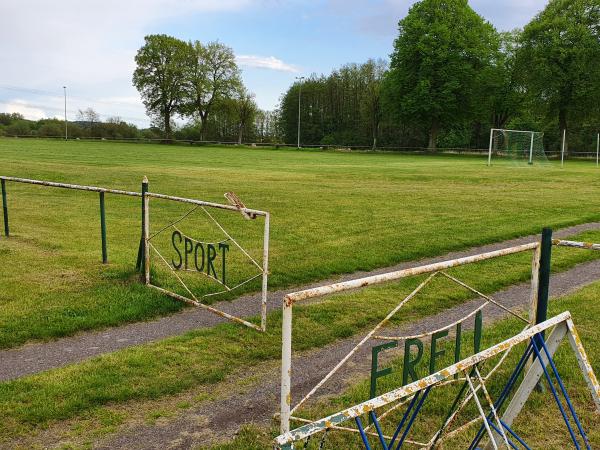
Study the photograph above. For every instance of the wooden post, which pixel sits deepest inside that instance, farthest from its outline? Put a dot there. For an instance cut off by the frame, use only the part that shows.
(5, 208)
(140, 258)
(103, 229)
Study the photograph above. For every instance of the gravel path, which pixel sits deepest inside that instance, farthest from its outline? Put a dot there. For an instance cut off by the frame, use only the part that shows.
(37, 357)
(220, 420)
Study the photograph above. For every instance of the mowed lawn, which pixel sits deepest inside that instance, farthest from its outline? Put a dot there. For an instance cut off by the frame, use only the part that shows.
(331, 212)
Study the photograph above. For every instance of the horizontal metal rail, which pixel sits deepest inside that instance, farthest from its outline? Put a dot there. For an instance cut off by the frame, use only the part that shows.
(416, 386)
(576, 244)
(204, 203)
(77, 187)
(390, 276)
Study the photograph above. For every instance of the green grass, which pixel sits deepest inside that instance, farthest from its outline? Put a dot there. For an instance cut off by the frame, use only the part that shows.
(205, 358)
(539, 424)
(332, 213)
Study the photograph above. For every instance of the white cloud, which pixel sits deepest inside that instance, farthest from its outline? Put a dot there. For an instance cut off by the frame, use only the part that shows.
(22, 107)
(265, 62)
(89, 46)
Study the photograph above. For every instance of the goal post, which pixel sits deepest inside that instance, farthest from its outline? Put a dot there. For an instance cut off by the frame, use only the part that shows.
(516, 145)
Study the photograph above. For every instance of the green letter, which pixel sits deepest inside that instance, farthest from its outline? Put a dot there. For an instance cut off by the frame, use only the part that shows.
(223, 248)
(212, 254)
(434, 353)
(178, 234)
(189, 248)
(199, 269)
(381, 373)
(457, 345)
(409, 366)
(478, 329)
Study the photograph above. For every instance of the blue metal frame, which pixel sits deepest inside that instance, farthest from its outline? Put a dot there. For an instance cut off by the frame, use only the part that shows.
(539, 341)
(505, 393)
(382, 440)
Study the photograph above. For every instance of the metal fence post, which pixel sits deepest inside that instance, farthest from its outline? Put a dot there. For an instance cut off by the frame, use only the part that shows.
(5, 208)
(146, 235)
(103, 229)
(544, 277)
(140, 258)
(286, 366)
(265, 274)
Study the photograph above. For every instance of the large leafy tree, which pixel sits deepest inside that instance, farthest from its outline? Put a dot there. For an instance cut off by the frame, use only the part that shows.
(159, 77)
(211, 76)
(372, 74)
(560, 59)
(437, 63)
(504, 85)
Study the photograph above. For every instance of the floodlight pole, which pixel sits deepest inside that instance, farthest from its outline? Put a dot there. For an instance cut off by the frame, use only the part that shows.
(562, 149)
(299, 97)
(66, 129)
(531, 148)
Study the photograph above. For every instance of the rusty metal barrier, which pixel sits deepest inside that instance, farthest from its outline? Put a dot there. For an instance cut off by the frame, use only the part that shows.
(145, 242)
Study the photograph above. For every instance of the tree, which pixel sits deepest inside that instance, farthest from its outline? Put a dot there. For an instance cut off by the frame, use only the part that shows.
(504, 86)
(245, 108)
(90, 116)
(211, 75)
(373, 73)
(560, 59)
(436, 65)
(159, 77)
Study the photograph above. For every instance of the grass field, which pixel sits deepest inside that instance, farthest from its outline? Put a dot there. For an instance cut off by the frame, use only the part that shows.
(540, 423)
(331, 212)
(95, 397)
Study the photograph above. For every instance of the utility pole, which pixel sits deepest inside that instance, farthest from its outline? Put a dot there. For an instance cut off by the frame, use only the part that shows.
(66, 129)
(299, 96)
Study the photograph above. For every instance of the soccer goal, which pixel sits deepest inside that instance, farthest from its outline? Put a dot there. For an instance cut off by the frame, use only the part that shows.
(517, 145)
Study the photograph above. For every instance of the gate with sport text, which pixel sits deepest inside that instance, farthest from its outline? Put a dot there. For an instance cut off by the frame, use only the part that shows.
(197, 251)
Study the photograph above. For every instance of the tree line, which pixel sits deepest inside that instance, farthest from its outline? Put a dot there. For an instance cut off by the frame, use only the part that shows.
(452, 76)
(201, 83)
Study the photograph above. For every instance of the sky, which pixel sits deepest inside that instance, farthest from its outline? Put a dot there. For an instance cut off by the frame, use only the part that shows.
(89, 45)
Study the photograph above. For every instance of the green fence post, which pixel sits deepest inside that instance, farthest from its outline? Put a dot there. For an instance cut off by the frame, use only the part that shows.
(541, 313)
(140, 258)
(544, 280)
(5, 207)
(103, 229)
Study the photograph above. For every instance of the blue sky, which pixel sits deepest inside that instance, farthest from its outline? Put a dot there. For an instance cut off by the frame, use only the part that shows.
(89, 45)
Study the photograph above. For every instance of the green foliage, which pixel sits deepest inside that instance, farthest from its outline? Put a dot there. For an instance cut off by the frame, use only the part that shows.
(562, 44)
(343, 108)
(159, 77)
(439, 57)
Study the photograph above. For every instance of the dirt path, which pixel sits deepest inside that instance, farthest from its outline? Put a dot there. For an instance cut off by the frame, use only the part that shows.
(37, 357)
(219, 420)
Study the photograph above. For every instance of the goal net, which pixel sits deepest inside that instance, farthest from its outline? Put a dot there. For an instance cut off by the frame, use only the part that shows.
(517, 145)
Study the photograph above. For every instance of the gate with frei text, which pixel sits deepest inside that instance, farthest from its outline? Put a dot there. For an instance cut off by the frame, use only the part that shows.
(388, 419)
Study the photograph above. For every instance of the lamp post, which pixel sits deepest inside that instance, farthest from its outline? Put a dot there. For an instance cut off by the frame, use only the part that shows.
(66, 130)
(299, 93)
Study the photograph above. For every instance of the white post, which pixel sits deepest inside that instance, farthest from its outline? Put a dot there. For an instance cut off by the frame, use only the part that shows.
(66, 130)
(490, 148)
(286, 366)
(265, 276)
(562, 151)
(531, 148)
(597, 149)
